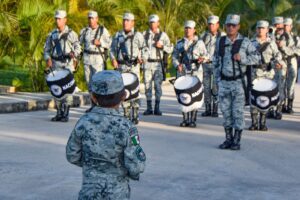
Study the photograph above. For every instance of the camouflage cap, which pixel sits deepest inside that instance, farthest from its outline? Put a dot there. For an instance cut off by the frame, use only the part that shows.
(107, 82)
(262, 24)
(288, 21)
(92, 14)
(153, 18)
(232, 19)
(213, 19)
(60, 14)
(128, 16)
(189, 24)
(277, 20)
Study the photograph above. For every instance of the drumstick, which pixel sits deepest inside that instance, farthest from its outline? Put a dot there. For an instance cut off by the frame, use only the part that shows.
(51, 71)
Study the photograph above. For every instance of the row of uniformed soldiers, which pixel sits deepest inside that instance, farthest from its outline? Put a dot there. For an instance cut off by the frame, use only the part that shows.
(222, 57)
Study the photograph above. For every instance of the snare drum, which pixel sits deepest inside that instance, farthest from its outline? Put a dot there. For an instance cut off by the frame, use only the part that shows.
(189, 92)
(61, 83)
(132, 86)
(264, 94)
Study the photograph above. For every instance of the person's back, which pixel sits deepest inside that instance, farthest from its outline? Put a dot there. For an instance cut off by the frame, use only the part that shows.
(106, 145)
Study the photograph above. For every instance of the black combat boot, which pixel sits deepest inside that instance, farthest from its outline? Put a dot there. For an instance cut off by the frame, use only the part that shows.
(262, 122)
(215, 110)
(135, 115)
(271, 113)
(193, 119)
(149, 110)
(229, 139)
(58, 115)
(66, 109)
(185, 121)
(290, 106)
(236, 140)
(254, 125)
(207, 112)
(278, 114)
(284, 106)
(156, 108)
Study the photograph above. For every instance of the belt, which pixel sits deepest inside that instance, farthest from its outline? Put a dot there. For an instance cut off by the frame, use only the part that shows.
(61, 58)
(128, 62)
(92, 52)
(154, 60)
(228, 78)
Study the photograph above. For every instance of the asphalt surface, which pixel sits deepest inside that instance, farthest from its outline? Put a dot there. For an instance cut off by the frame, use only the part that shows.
(182, 163)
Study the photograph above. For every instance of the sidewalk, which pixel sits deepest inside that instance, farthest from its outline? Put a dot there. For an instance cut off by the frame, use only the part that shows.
(25, 101)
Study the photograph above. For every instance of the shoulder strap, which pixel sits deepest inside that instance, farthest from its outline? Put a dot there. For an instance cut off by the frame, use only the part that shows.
(295, 39)
(222, 46)
(236, 46)
(204, 38)
(157, 36)
(65, 35)
(263, 47)
(99, 29)
(147, 36)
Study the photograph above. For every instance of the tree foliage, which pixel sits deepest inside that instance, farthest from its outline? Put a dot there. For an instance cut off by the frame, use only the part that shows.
(24, 24)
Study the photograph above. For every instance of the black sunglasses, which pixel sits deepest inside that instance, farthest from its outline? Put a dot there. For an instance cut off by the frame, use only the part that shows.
(233, 25)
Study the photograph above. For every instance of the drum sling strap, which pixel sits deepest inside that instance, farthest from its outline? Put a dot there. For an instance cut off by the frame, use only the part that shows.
(264, 65)
(163, 61)
(184, 54)
(126, 60)
(204, 38)
(57, 46)
(287, 39)
(104, 54)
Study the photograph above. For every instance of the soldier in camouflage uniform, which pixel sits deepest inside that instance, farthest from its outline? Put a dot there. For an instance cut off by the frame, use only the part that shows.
(128, 51)
(106, 144)
(61, 51)
(210, 38)
(271, 59)
(96, 42)
(280, 74)
(233, 53)
(188, 56)
(290, 52)
(159, 45)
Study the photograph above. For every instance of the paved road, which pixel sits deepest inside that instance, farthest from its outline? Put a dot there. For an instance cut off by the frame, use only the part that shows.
(182, 163)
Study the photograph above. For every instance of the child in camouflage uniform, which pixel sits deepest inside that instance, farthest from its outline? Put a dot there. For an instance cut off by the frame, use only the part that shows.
(106, 144)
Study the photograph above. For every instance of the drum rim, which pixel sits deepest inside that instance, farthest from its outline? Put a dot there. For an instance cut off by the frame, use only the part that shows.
(185, 77)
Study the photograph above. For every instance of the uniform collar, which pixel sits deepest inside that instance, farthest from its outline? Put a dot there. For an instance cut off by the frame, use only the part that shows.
(129, 34)
(194, 39)
(94, 28)
(259, 41)
(238, 37)
(105, 111)
(151, 32)
(66, 29)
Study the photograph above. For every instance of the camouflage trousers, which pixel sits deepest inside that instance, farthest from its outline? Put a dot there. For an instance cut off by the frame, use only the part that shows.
(135, 103)
(210, 86)
(90, 70)
(291, 78)
(280, 78)
(232, 101)
(153, 73)
(106, 189)
(254, 110)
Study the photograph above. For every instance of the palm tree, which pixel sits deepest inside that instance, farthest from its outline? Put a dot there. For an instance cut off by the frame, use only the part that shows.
(8, 25)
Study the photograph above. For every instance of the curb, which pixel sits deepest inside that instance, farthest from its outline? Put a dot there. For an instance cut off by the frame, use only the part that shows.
(44, 104)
